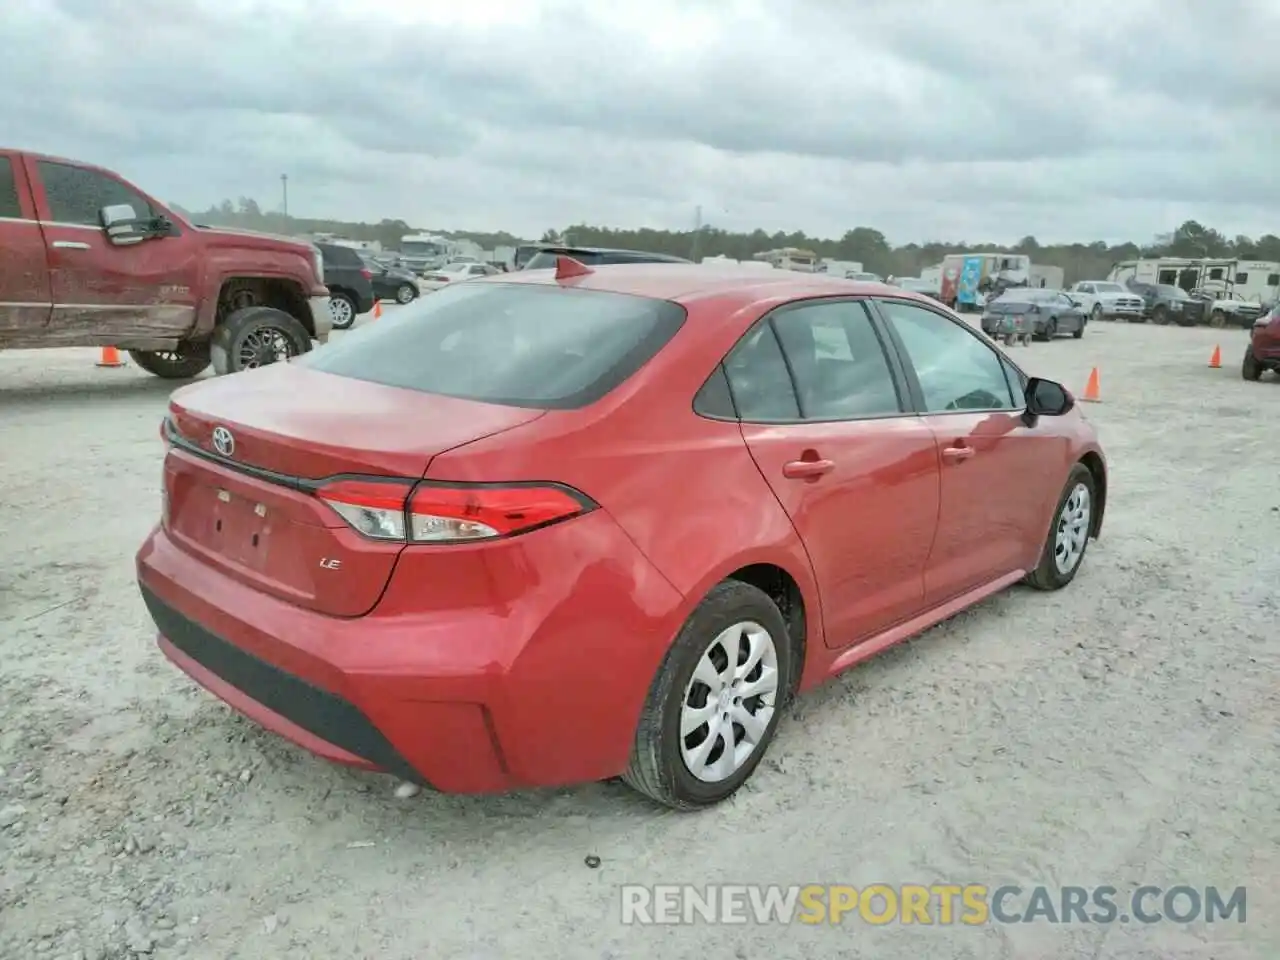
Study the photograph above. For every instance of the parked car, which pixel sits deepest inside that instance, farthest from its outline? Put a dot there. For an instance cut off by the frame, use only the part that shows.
(1228, 309)
(89, 260)
(350, 284)
(544, 256)
(391, 282)
(1107, 300)
(489, 585)
(1164, 303)
(455, 272)
(1263, 351)
(1049, 312)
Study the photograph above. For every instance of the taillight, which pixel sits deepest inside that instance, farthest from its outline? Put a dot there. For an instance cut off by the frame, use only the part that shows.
(367, 273)
(435, 512)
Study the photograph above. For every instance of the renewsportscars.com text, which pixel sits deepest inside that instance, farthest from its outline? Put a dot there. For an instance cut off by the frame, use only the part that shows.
(942, 904)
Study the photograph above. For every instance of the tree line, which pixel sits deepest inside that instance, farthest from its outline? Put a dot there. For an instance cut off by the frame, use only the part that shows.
(1079, 261)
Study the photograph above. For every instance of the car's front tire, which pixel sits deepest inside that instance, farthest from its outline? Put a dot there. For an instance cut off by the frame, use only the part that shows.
(715, 704)
(255, 337)
(1069, 532)
(405, 293)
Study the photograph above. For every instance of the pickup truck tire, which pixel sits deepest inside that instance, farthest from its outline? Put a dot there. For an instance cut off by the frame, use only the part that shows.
(255, 337)
(187, 361)
(1096, 313)
(1160, 315)
(1251, 369)
(1217, 319)
(343, 307)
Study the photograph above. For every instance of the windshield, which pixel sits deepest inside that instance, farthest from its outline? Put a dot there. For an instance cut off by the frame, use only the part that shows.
(1108, 288)
(414, 248)
(516, 344)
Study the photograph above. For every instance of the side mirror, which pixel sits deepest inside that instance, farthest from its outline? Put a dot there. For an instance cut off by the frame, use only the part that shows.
(1045, 398)
(121, 223)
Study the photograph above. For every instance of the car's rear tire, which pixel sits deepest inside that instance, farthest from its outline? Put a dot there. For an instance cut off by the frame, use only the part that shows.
(1160, 315)
(342, 307)
(696, 680)
(405, 293)
(1096, 313)
(1251, 368)
(256, 337)
(187, 360)
(1069, 532)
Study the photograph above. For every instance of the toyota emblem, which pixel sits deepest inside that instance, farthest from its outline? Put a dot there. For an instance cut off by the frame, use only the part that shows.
(223, 441)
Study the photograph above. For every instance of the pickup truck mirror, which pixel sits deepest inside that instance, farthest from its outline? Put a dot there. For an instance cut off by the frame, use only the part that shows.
(120, 221)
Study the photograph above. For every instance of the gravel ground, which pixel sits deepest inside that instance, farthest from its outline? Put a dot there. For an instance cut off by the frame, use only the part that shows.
(1122, 731)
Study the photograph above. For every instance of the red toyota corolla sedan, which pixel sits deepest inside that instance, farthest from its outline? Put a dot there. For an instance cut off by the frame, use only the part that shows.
(566, 525)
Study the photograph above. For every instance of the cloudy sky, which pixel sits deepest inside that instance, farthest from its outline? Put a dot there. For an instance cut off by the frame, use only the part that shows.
(954, 119)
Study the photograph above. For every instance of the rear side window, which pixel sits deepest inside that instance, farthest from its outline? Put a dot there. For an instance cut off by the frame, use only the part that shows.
(9, 205)
(341, 256)
(759, 379)
(520, 345)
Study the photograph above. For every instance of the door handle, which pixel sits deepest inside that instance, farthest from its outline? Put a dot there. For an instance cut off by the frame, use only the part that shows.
(956, 454)
(69, 245)
(806, 469)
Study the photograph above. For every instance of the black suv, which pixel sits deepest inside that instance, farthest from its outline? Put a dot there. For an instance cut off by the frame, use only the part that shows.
(1165, 303)
(350, 284)
(543, 256)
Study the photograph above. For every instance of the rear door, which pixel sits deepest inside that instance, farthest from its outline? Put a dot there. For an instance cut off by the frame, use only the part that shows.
(103, 293)
(25, 300)
(996, 470)
(823, 414)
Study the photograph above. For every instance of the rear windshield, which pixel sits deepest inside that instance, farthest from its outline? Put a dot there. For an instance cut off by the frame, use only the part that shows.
(521, 345)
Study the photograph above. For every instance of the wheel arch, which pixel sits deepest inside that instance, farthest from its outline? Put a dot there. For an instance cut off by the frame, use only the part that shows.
(1097, 467)
(237, 292)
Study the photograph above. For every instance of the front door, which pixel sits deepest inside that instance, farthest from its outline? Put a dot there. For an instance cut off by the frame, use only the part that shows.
(995, 468)
(823, 416)
(103, 293)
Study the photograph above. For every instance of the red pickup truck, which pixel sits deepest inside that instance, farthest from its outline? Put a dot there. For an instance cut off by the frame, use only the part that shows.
(89, 260)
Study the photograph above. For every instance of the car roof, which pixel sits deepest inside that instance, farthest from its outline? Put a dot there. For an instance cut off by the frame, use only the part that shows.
(687, 283)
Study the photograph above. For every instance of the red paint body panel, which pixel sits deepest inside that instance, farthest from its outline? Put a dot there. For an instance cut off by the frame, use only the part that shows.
(526, 661)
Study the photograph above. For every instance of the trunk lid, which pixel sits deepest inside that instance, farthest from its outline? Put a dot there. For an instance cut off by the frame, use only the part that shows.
(249, 508)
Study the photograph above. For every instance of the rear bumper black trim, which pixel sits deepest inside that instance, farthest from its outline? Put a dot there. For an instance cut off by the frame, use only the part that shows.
(319, 712)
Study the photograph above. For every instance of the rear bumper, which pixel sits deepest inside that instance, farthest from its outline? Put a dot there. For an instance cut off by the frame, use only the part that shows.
(532, 674)
(321, 317)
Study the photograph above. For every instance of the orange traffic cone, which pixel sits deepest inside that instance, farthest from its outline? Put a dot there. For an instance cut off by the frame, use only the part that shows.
(1215, 361)
(110, 358)
(377, 309)
(1093, 389)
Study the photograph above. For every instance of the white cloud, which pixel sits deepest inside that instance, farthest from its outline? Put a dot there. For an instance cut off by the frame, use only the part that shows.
(927, 120)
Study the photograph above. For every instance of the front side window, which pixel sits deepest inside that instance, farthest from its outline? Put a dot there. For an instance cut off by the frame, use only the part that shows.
(77, 195)
(956, 370)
